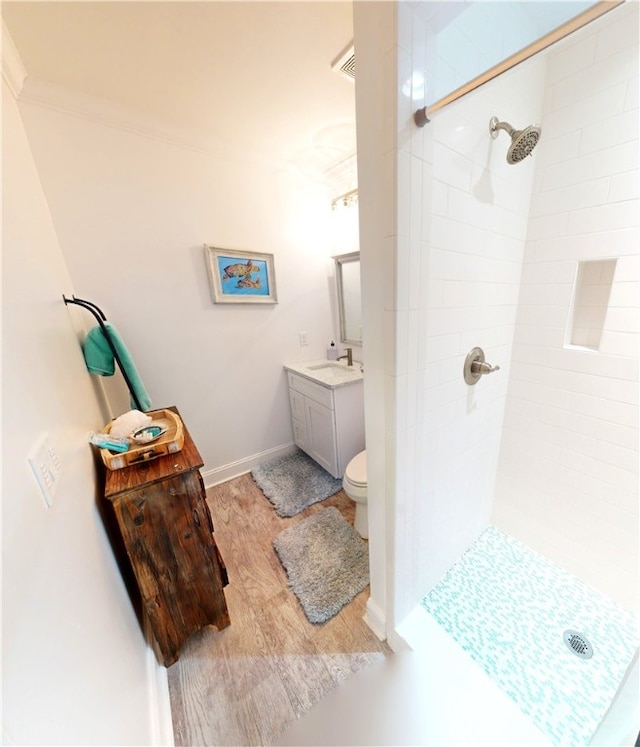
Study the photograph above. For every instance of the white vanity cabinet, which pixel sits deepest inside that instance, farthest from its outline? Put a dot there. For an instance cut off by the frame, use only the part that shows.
(328, 420)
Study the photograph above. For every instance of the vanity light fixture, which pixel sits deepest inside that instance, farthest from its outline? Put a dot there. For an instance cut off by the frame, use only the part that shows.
(348, 199)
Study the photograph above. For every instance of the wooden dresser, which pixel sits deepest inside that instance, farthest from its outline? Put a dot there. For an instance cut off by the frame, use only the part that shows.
(164, 521)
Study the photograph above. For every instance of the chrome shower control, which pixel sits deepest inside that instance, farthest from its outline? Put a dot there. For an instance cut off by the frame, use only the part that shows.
(475, 366)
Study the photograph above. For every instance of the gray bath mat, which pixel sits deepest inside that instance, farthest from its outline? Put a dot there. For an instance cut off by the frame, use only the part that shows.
(294, 482)
(326, 560)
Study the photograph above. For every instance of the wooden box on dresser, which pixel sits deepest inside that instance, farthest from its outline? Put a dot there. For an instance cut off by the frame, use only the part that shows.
(162, 516)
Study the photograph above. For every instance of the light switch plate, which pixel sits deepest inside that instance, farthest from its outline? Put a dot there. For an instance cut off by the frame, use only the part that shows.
(46, 467)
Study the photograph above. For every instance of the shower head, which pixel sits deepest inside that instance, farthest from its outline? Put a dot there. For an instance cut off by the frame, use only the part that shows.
(522, 141)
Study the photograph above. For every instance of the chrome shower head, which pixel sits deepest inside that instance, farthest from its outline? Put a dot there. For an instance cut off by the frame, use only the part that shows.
(522, 141)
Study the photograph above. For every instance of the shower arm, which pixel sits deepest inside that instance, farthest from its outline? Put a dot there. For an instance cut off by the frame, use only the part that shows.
(495, 126)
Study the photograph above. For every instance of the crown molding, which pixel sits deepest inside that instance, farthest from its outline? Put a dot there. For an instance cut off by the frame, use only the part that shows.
(74, 103)
(95, 109)
(339, 178)
(13, 70)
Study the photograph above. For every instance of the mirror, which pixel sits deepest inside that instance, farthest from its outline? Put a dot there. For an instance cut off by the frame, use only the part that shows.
(349, 297)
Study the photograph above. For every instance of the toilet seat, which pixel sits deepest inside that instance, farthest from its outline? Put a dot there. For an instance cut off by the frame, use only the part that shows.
(356, 472)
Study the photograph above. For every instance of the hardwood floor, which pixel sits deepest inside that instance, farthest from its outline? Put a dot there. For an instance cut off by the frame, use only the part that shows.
(247, 683)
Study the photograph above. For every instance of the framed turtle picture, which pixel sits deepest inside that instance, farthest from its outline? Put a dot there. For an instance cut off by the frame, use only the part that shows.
(240, 277)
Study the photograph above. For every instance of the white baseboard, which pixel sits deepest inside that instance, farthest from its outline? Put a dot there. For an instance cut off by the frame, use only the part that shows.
(215, 476)
(160, 721)
(374, 618)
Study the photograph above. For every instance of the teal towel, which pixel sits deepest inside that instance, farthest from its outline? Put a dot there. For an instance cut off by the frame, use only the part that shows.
(99, 359)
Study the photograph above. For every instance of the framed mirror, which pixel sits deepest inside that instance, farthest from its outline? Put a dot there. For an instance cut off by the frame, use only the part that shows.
(349, 297)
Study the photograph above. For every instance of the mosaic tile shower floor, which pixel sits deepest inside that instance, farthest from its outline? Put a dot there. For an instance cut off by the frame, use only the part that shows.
(508, 608)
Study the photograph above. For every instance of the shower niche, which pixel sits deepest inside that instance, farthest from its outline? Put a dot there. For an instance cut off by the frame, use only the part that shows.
(591, 293)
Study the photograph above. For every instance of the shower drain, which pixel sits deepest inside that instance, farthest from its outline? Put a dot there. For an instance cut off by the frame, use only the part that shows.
(578, 644)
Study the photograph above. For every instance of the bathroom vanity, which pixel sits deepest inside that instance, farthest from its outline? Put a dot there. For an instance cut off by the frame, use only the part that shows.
(327, 411)
(159, 513)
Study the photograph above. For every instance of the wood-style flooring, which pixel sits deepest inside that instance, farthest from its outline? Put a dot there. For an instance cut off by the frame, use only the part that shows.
(246, 684)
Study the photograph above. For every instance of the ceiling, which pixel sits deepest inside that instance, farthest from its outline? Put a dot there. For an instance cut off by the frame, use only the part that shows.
(249, 76)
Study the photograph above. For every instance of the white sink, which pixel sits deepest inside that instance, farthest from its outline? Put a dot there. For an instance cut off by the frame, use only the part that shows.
(328, 364)
(328, 373)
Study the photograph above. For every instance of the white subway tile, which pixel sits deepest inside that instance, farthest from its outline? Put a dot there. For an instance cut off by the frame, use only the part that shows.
(611, 243)
(574, 197)
(403, 268)
(439, 198)
(548, 226)
(440, 347)
(579, 361)
(447, 233)
(390, 264)
(623, 33)
(624, 187)
(570, 58)
(603, 218)
(389, 322)
(601, 76)
(388, 115)
(631, 99)
(619, 343)
(452, 167)
(628, 269)
(415, 275)
(544, 294)
(405, 126)
(404, 27)
(617, 456)
(559, 271)
(615, 159)
(403, 197)
(594, 108)
(623, 320)
(416, 170)
(619, 128)
(552, 151)
(395, 190)
(418, 57)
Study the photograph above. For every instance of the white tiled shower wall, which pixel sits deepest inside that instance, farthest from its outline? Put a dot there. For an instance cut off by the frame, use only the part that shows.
(461, 230)
(568, 471)
(463, 220)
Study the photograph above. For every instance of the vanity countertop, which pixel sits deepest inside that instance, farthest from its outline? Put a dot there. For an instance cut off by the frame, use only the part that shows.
(331, 374)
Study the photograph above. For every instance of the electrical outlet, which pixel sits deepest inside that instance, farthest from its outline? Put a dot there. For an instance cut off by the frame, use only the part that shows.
(304, 339)
(46, 467)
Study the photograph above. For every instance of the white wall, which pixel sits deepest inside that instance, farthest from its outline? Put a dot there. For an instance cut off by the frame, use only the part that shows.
(132, 212)
(74, 662)
(568, 474)
(374, 41)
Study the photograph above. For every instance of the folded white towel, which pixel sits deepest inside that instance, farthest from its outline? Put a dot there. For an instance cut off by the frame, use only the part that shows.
(123, 426)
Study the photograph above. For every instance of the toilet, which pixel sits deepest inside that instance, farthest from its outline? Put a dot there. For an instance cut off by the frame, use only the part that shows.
(354, 484)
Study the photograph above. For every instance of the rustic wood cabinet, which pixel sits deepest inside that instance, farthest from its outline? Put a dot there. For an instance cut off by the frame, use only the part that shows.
(166, 528)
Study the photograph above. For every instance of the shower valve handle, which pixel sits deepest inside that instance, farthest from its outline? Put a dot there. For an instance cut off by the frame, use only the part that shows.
(480, 367)
(475, 366)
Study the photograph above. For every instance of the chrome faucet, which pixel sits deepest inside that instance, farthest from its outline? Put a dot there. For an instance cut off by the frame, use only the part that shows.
(348, 356)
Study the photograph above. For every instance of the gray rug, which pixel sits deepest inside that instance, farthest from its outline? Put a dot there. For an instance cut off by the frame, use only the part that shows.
(326, 560)
(294, 482)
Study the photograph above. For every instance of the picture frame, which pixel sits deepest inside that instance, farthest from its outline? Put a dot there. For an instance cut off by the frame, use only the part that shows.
(240, 277)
